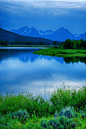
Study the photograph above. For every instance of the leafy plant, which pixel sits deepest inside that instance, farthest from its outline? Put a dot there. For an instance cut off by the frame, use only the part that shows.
(22, 115)
(44, 123)
(83, 115)
(83, 112)
(60, 123)
(4, 123)
(68, 112)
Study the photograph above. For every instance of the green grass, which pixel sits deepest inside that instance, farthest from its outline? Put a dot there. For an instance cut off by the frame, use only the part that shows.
(62, 52)
(38, 109)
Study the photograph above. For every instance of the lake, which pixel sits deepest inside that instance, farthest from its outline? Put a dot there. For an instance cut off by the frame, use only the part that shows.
(21, 71)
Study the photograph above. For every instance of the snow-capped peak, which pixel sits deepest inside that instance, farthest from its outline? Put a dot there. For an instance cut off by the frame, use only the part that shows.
(77, 35)
(47, 32)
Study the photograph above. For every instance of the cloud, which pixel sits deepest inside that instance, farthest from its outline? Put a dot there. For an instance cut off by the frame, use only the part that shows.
(48, 0)
(48, 7)
(56, 4)
(50, 3)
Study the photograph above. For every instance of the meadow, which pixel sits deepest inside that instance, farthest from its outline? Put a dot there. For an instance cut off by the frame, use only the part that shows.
(62, 52)
(66, 109)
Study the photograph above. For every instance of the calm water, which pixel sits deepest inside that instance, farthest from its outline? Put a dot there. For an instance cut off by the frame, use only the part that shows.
(22, 71)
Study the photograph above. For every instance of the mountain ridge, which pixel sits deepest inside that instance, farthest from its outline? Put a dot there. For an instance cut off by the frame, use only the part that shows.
(60, 34)
(13, 37)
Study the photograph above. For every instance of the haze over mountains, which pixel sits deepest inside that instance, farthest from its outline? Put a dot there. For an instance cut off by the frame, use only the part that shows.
(25, 40)
(31, 35)
(59, 35)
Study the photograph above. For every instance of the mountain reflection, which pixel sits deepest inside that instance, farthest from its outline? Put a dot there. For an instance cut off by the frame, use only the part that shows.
(22, 71)
(25, 55)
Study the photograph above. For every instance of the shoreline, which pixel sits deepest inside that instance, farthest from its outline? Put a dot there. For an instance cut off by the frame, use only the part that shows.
(62, 52)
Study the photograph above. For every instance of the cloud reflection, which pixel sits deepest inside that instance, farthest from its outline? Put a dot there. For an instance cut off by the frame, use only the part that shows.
(40, 76)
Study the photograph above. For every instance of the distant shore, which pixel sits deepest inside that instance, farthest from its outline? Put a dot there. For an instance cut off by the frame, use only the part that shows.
(26, 46)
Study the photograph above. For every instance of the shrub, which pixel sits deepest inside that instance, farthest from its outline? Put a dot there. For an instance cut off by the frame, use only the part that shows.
(66, 123)
(44, 123)
(22, 115)
(68, 112)
(56, 123)
(84, 115)
(60, 123)
(58, 100)
(56, 114)
(85, 108)
(66, 97)
(83, 112)
(4, 123)
(33, 126)
(11, 103)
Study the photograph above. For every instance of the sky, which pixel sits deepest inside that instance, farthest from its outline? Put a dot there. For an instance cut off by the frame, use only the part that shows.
(44, 14)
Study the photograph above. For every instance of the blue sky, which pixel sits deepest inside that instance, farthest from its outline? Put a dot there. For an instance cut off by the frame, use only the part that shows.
(44, 14)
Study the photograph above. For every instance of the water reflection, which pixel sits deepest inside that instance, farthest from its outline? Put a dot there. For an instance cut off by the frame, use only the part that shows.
(21, 71)
(24, 55)
(75, 59)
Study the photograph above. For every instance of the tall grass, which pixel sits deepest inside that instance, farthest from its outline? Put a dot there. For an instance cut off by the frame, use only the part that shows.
(24, 111)
(58, 100)
(66, 97)
(61, 52)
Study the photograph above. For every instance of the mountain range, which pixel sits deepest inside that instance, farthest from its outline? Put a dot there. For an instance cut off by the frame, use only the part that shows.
(59, 35)
(12, 37)
(32, 36)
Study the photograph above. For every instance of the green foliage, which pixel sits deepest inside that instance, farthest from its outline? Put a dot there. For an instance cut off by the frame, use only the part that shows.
(68, 44)
(66, 97)
(12, 103)
(33, 126)
(16, 124)
(61, 52)
(67, 112)
(60, 123)
(84, 115)
(74, 44)
(37, 107)
(59, 46)
(44, 123)
(4, 122)
(22, 115)
(83, 112)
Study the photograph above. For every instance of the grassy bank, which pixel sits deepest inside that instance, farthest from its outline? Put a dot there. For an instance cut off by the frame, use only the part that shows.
(61, 52)
(24, 111)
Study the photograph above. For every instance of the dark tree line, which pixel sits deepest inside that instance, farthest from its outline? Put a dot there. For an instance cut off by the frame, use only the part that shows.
(4, 42)
(68, 44)
(74, 44)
